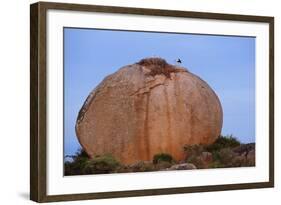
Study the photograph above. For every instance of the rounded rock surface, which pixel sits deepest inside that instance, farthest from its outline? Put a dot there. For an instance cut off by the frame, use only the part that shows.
(148, 108)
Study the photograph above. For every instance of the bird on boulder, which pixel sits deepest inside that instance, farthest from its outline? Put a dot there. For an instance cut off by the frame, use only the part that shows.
(179, 61)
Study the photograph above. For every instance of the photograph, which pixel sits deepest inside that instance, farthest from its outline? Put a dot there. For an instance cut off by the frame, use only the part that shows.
(129, 101)
(147, 101)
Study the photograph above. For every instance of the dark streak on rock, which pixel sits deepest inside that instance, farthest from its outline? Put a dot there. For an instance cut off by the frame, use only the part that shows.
(192, 123)
(168, 114)
(146, 127)
(137, 92)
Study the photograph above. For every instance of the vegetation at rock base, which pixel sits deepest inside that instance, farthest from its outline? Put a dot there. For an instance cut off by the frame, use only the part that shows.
(225, 152)
(223, 142)
(77, 163)
(162, 157)
(101, 165)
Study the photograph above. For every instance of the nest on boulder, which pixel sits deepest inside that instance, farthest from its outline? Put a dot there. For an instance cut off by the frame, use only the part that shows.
(158, 66)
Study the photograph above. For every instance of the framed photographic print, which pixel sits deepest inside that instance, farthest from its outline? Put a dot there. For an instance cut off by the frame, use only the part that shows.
(134, 102)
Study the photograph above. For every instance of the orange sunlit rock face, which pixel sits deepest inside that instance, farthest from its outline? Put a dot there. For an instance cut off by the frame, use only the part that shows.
(148, 108)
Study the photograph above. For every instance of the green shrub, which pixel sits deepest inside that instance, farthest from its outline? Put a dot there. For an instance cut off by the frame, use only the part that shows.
(162, 157)
(216, 155)
(81, 153)
(223, 142)
(101, 165)
(77, 163)
(68, 170)
(226, 156)
(193, 150)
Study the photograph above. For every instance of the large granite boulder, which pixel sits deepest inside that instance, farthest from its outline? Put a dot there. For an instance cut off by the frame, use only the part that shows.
(148, 108)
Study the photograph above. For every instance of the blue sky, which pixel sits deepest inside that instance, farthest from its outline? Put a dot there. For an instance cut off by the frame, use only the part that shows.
(226, 63)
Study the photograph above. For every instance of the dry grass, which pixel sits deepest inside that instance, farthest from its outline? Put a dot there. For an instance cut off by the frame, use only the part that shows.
(158, 66)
